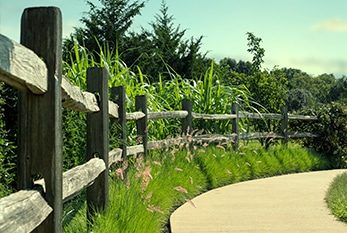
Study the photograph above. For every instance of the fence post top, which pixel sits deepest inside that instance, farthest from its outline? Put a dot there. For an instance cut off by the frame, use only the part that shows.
(42, 9)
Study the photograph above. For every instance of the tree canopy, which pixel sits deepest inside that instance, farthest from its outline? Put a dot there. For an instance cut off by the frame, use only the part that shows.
(105, 24)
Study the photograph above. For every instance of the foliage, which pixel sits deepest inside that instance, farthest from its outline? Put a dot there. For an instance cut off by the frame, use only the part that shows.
(208, 93)
(167, 179)
(332, 131)
(336, 197)
(256, 50)
(74, 138)
(228, 64)
(339, 90)
(317, 89)
(299, 98)
(163, 50)
(7, 155)
(105, 24)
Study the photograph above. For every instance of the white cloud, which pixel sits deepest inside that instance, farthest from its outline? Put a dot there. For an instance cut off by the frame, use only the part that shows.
(319, 66)
(332, 25)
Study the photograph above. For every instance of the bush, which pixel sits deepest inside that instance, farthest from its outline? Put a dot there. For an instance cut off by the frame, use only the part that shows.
(7, 155)
(331, 127)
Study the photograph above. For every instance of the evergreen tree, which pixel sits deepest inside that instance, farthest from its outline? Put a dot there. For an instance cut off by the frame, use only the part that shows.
(105, 24)
(163, 50)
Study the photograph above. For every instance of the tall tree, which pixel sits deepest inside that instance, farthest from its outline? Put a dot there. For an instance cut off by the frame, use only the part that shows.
(104, 24)
(164, 50)
(256, 50)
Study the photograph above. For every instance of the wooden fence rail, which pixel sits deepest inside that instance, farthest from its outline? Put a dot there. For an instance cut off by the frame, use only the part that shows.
(34, 67)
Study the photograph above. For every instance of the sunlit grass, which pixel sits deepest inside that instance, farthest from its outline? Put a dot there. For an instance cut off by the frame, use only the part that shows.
(167, 179)
(336, 197)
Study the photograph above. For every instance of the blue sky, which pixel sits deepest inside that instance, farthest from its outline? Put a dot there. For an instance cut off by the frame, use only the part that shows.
(307, 34)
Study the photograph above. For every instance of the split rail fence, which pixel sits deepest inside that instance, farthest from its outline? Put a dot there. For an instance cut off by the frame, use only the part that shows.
(34, 67)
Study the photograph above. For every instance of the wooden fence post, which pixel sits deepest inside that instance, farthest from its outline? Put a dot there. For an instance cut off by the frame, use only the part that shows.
(235, 125)
(187, 122)
(97, 139)
(118, 95)
(141, 124)
(40, 122)
(284, 125)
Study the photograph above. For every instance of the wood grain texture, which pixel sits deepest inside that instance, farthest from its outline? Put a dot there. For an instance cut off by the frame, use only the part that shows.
(250, 115)
(258, 135)
(115, 156)
(142, 124)
(75, 99)
(167, 115)
(22, 68)
(187, 122)
(213, 116)
(134, 150)
(79, 177)
(98, 139)
(118, 94)
(40, 135)
(112, 109)
(302, 135)
(301, 117)
(23, 211)
(213, 138)
(134, 116)
(166, 143)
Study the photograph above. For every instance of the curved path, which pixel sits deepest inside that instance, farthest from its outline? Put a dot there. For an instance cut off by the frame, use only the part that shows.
(282, 204)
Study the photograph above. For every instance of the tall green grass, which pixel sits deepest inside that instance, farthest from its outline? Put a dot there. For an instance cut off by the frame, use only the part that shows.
(167, 179)
(208, 93)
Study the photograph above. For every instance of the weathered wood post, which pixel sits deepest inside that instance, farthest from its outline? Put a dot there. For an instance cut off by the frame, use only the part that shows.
(141, 124)
(98, 139)
(235, 125)
(284, 124)
(40, 116)
(187, 122)
(118, 95)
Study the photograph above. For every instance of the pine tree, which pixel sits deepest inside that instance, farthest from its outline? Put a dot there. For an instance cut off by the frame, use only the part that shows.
(105, 24)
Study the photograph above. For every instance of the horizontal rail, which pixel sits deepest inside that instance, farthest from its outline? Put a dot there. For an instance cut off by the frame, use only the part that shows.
(79, 177)
(250, 115)
(259, 135)
(21, 68)
(167, 115)
(135, 116)
(82, 101)
(214, 116)
(302, 135)
(23, 211)
(301, 117)
(112, 109)
(161, 144)
(114, 156)
(213, 138)
(133, 150)
(77, 100)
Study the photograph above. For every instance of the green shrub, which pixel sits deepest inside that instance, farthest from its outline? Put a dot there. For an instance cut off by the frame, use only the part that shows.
(331, 127)
(336, 197)
(7, 148)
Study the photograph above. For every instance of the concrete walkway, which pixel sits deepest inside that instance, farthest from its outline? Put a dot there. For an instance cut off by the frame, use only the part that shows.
(282, 204)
